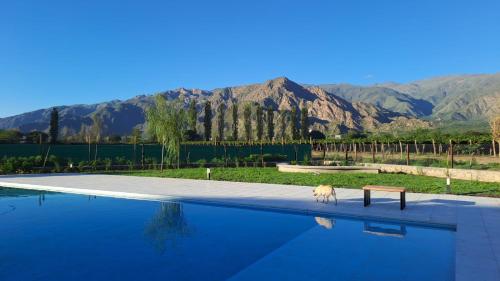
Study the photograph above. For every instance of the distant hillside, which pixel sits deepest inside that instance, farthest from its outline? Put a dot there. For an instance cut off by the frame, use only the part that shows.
(469, 99)
(462, 98)
(384, 97)
(328, 111)
(457, 98)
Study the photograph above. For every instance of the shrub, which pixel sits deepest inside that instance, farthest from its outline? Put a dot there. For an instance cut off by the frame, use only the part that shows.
(108, 163)
(201, 163)
(306, 160)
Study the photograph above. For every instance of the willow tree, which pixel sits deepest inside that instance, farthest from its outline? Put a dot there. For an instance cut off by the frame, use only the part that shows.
(96, 133)
(166, 122)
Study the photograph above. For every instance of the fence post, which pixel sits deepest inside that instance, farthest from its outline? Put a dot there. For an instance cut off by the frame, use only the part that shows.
(382, 149)
(407, 154)
(346, 155)
(373, 152)
(401, 149)
(494, 147)
(451, 153)
(142, 156)
(261, 154)
(225, 155)
(355, 152)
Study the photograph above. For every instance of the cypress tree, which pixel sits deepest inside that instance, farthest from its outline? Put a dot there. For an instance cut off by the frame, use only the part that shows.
(235, 122)
(270, 123)
(192, 116)
(221, 109)
(293, 125)
(259, 114)
(247, 120)
(54, 125)
(207, 121)
(304, 123)
(283, 123)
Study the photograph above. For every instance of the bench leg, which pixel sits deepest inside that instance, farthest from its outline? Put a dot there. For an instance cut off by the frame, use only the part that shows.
(403, 200)
(367, 198)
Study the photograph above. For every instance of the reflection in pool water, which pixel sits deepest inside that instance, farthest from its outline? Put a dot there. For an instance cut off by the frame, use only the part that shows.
(327, 223)
(55, 236)
(167, 225)
(384, 231)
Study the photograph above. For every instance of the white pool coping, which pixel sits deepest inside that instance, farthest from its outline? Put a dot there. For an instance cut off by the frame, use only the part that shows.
(476, 219)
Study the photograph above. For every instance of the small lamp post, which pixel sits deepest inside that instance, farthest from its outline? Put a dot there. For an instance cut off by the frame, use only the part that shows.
(448, 185)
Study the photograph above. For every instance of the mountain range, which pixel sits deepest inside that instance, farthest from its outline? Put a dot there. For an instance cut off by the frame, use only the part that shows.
(332, 107)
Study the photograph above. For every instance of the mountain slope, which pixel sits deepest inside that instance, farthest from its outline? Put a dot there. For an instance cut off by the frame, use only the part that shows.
(327, 110)
(382, 96)
(465, 97)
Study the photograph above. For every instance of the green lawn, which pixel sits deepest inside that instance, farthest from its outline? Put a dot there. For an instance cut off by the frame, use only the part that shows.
(420, 184)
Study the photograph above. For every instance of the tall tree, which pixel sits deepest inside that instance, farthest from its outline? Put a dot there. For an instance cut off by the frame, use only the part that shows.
(270, 123)
(207, 121)
(192, 115)
(283, 117)
(495, 134)
(221, 110)
(136, 136)
(96, 132)
(304, 123)
(293, 124)
(247, 121)
(234, 127)
(54, 125)
(96, 128)
(259, 115)
(166, 121)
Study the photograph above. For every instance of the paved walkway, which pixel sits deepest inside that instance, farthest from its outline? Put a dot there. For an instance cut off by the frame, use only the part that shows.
(477, 219)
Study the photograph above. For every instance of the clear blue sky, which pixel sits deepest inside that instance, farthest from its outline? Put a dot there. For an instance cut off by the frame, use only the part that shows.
(66, 52)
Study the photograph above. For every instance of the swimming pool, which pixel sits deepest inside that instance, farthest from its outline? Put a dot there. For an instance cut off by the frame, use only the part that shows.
(55, 236)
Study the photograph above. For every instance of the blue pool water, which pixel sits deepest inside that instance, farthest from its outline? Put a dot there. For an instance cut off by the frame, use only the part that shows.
(53, 236)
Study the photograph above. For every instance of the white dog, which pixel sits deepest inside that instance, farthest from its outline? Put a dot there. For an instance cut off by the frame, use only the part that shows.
(325, 191)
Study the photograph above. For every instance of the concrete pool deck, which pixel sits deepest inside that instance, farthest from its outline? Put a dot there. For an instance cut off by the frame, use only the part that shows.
(476, 219)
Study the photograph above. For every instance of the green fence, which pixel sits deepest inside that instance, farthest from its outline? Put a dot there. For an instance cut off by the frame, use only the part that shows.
(190, 153)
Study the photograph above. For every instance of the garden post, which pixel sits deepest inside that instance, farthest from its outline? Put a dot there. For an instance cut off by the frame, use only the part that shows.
(142, 156)
(373, 152)
(407, 154)
(401, 149)
(494, 147)
(346, 155)
(451, 153)
(355, 153)
(324, 146)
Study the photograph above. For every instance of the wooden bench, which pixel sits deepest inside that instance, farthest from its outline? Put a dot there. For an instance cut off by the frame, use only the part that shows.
(368, 188)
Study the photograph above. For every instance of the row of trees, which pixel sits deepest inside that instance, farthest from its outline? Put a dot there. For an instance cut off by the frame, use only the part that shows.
(263, 118)
(258, 124)
(169, 124)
